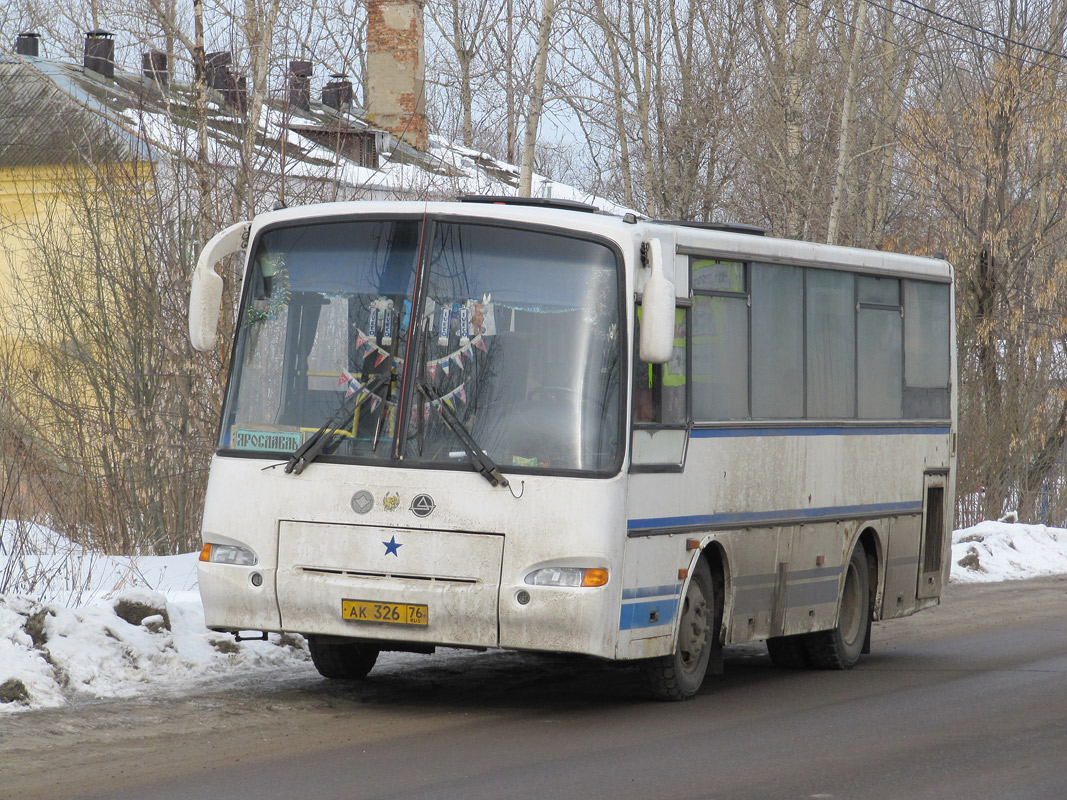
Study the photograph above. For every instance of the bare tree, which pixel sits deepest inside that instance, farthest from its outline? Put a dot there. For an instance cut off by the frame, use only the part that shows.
(988, 140)
(465, 27)
(106, 376)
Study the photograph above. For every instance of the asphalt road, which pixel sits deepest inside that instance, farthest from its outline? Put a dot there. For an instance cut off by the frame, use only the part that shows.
(968, 700)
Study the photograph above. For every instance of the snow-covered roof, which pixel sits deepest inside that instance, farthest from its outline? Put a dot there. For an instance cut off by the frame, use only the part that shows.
(56, 112)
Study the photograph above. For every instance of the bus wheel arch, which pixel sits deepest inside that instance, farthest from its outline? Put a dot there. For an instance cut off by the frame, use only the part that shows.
(873, 544)
(715, 557)
(698, 634)
(840, 647)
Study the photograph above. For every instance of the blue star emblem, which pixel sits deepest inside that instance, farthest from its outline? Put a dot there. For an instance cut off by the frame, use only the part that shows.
(392, 546)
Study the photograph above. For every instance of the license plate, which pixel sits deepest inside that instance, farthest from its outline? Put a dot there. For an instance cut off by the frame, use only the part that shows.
(388, 613)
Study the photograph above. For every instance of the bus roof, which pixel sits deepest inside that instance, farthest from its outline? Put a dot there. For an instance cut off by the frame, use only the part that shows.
(689, 240)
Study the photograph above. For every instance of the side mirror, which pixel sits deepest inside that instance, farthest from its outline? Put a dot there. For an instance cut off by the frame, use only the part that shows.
(657, 311)
(205, 292)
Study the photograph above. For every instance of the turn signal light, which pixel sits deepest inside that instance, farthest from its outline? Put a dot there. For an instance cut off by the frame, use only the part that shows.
(595, 577)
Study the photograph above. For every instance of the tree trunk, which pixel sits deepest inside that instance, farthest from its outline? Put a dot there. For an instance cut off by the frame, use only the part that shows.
(844, 144)
(537, 96)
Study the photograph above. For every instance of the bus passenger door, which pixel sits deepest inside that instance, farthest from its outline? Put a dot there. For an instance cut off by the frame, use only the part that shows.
(935, 535)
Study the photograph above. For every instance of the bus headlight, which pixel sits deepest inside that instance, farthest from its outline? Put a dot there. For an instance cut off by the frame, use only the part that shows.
(228, 554)
(568, 576)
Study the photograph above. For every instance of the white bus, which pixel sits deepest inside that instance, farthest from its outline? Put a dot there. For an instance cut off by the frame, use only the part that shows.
(537, 427)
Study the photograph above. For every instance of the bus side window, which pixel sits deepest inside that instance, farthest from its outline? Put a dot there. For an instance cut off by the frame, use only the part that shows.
(720, 342)
(661, 391)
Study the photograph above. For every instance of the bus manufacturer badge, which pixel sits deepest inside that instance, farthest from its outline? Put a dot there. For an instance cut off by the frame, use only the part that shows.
(362, 501)
(391, 502)
(422, 505)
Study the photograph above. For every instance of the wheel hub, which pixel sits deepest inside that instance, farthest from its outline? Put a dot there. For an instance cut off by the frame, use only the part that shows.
(694, 627)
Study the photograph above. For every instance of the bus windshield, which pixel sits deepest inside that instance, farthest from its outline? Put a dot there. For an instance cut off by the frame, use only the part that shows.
(515, 331)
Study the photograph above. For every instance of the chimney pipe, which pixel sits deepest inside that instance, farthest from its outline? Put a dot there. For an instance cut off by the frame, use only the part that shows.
(396, 69)
(217, 70)
(337, 94)
(154, 66)
(28, 44)
(219, 77)
(100, 52)
(300, 84)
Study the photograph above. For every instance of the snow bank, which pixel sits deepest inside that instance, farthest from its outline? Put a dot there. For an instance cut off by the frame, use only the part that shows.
(77, 626)
(1004, 551)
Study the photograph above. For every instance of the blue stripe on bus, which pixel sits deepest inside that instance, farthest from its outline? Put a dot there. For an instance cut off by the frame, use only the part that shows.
(639, 615)
(742, 517)
(898, 430)
(652, 591)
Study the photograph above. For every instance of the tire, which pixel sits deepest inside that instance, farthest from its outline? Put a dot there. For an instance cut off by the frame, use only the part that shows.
(680, 675)
(788, 652)
(840, 647)
(346, 661)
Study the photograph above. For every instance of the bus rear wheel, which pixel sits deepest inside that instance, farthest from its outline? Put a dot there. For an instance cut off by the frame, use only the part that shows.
(342, 660)
(680, 675)
(840, 647)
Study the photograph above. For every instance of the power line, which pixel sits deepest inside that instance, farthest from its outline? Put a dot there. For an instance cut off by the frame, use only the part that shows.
(964, 39)
(984, 31)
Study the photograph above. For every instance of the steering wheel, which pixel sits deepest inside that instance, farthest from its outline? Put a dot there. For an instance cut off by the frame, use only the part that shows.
(551, 392)
(592, 407)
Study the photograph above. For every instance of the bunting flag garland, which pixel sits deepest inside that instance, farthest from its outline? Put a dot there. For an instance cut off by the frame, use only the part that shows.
(459, 393)
(456, 357)
(355, 387)
(365, 346)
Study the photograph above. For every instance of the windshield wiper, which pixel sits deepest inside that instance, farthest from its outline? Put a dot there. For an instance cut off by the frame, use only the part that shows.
(316, 443)
(480, 460)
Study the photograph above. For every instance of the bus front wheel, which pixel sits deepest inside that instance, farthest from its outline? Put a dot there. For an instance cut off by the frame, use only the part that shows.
(342, 660)
(680, 675)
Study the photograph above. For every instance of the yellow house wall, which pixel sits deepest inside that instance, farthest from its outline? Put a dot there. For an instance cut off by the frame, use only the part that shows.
(27, 194)
(36, 196)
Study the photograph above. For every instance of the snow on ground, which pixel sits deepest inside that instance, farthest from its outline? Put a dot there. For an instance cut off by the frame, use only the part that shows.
(62, 639)
(1005, 551)
(77, 626)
